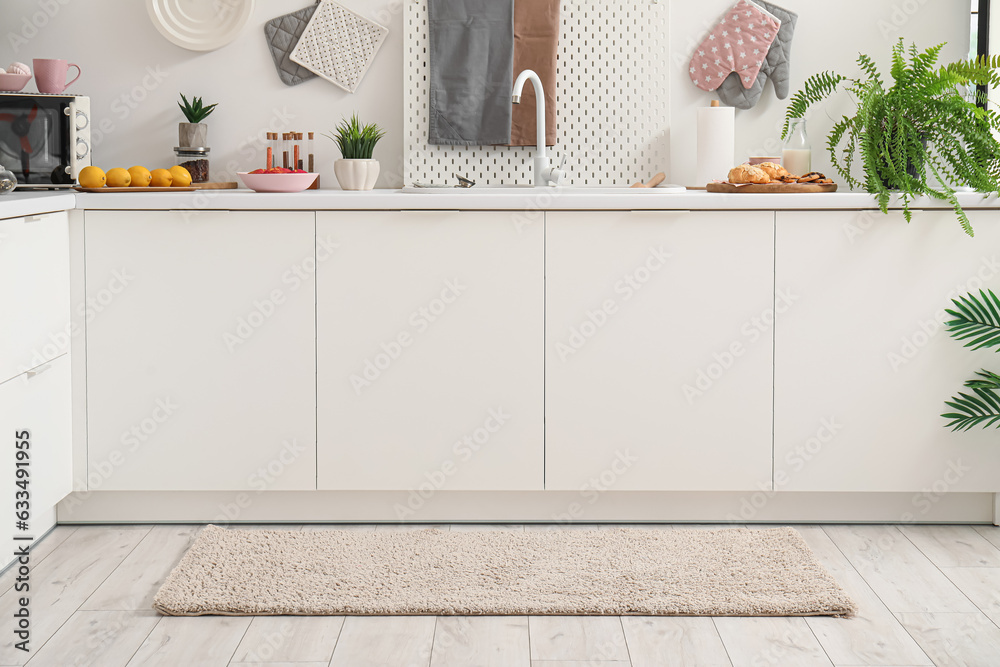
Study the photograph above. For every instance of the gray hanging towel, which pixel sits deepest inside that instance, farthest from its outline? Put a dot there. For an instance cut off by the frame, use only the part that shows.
(471, 61)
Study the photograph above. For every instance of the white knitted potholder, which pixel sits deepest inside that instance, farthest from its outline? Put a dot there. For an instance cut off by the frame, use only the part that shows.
(339, 45)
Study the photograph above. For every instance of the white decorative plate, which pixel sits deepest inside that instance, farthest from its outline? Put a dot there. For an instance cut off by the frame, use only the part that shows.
(200, 25)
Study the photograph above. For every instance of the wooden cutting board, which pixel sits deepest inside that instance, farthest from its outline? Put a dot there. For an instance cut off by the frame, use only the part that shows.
(135, 189)
(771, 188)
(221, 185)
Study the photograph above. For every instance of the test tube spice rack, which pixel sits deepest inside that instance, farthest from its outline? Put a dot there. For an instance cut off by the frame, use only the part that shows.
(292, 151)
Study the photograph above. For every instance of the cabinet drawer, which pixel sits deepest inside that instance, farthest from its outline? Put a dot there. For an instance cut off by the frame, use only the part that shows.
(34, 291)
(38, 402)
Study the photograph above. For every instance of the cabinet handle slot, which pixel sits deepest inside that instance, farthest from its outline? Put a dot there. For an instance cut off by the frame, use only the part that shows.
(37, 371)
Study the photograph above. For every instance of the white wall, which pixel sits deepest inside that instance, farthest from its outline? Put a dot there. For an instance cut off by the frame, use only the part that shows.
(117, 46)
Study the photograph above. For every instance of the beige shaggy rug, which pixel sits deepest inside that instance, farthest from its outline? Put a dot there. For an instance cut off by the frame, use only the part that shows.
(727, 572)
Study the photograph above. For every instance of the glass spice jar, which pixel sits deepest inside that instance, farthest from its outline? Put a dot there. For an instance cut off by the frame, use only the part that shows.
(8, 181)
(195, 160)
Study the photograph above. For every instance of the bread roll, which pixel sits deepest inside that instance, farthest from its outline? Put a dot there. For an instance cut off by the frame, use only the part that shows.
(775, 171)
(746, 173)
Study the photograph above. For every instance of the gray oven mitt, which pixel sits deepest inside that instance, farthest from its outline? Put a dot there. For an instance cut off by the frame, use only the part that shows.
(282, 34)
(776, 66)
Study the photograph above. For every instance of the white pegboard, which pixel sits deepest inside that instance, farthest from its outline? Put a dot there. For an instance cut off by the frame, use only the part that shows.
(612, 100)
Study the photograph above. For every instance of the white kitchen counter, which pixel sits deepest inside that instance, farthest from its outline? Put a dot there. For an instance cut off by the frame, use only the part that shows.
(516, 199)
(17, 204)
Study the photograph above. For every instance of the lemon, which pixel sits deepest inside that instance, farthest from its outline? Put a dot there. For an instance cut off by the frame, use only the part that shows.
(140, 176)
(182, 177)
(92, 177)
(119, 178)
(161, 178)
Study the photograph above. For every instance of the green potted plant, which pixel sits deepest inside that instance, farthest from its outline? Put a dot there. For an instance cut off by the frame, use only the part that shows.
(193, 133)
(976, 320)
(920, 136)
(356, 170)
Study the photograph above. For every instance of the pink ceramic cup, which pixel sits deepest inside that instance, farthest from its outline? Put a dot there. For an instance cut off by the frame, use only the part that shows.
(50, 75)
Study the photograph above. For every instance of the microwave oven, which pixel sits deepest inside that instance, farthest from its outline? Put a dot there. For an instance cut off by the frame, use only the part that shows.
(44, 139)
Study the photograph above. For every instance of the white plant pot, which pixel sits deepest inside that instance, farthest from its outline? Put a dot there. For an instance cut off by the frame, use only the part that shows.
(356, 174)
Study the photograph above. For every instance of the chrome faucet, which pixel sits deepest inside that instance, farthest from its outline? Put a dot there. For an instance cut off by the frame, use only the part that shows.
(544, 174)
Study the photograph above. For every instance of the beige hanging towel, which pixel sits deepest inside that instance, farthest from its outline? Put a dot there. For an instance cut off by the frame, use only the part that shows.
(536, 41)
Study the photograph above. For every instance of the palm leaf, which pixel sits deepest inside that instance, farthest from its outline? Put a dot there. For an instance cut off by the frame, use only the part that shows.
(981, 407)
(976, 320)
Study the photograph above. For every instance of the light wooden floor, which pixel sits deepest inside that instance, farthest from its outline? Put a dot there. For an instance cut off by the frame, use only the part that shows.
(928, 595)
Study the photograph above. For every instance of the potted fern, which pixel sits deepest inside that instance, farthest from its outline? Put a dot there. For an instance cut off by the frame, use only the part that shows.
(193, 133)
(976, 320)
(356, 170)
(921, 135)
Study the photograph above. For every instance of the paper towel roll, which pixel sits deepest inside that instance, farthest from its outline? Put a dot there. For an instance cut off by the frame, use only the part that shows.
(716, 143)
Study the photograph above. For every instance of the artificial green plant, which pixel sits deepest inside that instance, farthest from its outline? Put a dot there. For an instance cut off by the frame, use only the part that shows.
(356, 141)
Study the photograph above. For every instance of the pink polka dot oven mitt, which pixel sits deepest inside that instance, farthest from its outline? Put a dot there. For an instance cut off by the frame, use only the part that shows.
(738, 43)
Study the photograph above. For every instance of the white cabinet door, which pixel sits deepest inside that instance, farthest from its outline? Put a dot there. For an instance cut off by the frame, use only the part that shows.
(201, 350)
(863, 365)
(37, 403)
(658, 351)
(430, 335)
(34, 291)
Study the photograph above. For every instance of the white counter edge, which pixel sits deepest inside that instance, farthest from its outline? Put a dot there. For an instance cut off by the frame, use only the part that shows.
(526, 201)
(18, 204)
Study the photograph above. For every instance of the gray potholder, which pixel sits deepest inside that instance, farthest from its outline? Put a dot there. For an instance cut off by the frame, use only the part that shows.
(282, 34)
(776, 66)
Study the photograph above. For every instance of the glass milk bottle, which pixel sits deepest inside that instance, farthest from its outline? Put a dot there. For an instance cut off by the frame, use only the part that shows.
(796, 154)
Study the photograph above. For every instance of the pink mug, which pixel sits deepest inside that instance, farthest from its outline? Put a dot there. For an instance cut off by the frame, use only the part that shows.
(50, 75)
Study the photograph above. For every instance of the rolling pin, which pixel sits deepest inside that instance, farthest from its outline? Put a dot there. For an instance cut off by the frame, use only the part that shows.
(653, 182)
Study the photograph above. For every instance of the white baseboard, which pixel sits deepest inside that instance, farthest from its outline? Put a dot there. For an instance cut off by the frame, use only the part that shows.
(524, 507)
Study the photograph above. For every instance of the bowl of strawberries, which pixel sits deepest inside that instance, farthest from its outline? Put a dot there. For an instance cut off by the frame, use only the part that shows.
(277, 179)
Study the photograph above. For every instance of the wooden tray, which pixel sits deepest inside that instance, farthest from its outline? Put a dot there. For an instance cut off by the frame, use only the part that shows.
(135, 189)
(772, 188)
(221, 185)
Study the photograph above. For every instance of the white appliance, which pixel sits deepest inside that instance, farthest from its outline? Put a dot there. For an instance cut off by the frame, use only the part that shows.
(44, 139)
